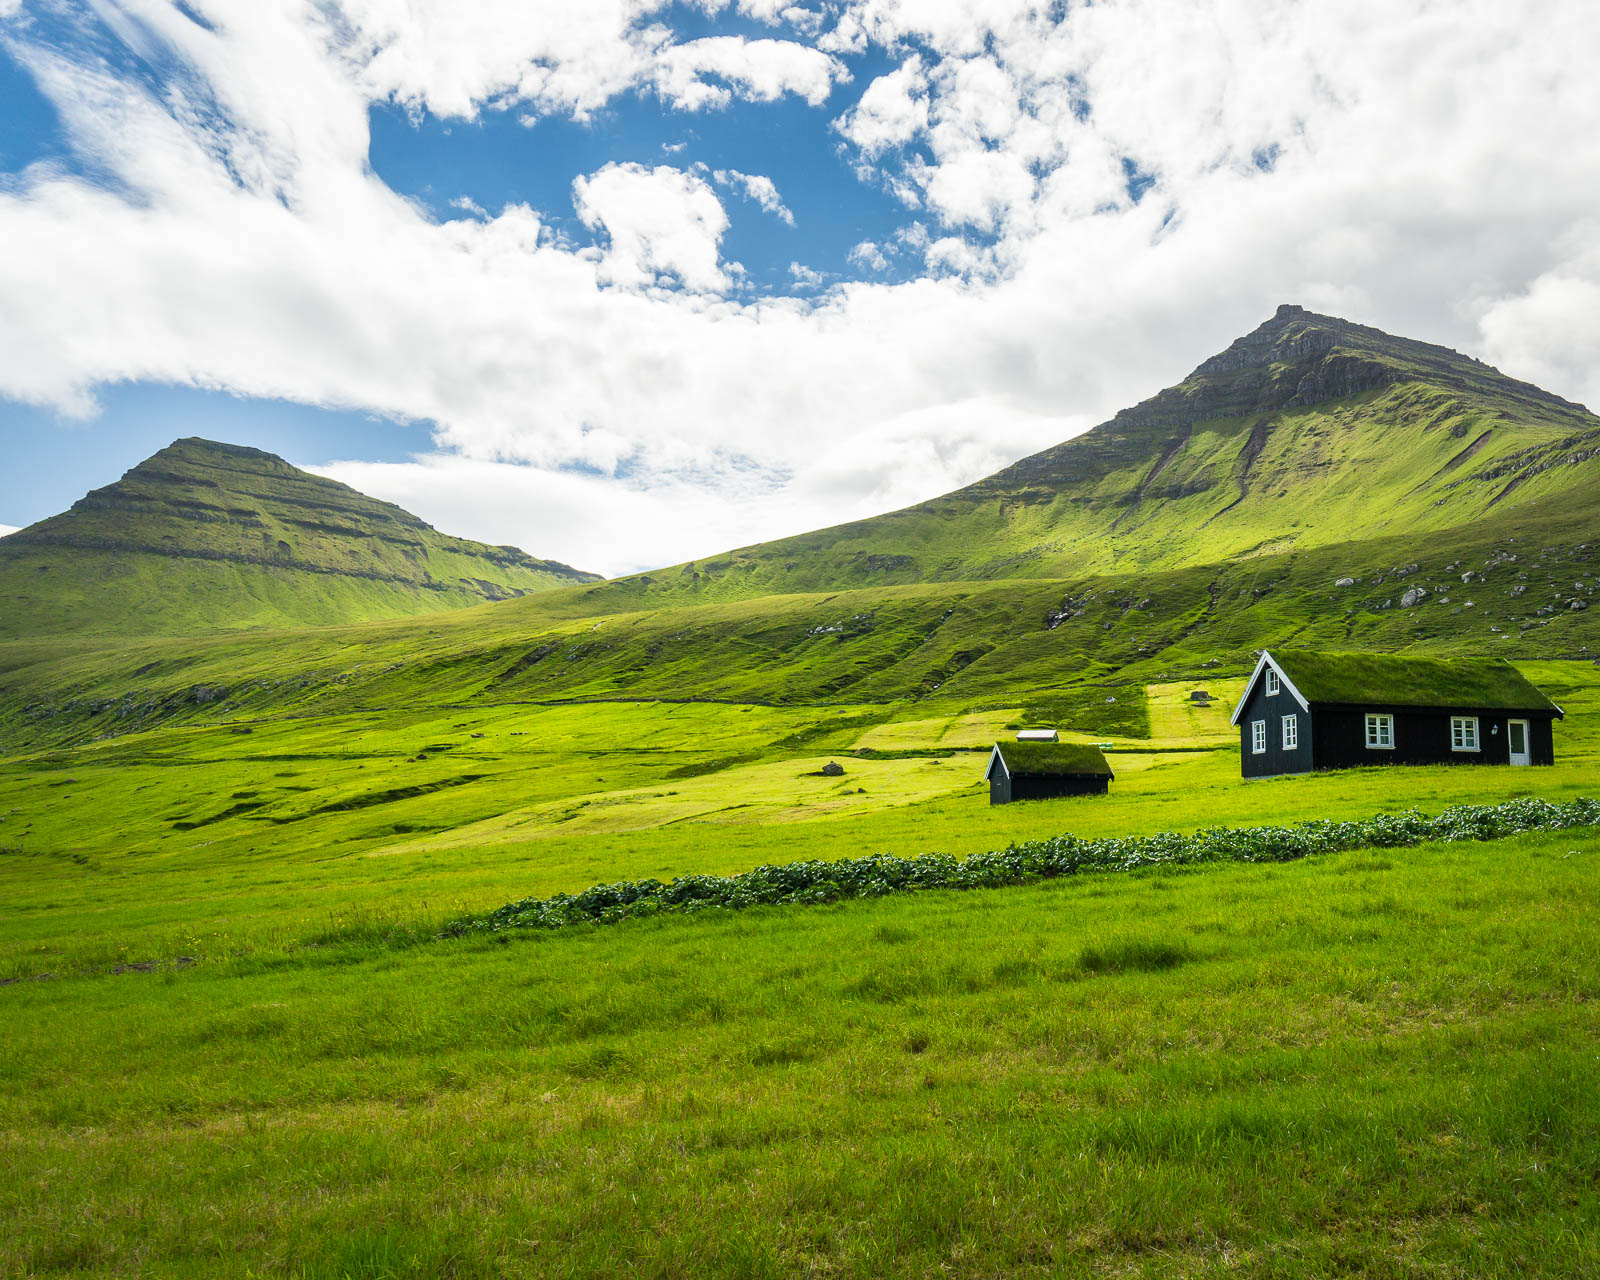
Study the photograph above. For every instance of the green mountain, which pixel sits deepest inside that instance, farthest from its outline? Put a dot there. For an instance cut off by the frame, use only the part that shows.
(1427, 504)
(1309, 432)
(205, 536)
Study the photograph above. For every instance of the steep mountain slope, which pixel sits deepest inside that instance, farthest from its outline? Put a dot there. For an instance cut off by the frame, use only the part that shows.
(205, 536)
(1305, 433)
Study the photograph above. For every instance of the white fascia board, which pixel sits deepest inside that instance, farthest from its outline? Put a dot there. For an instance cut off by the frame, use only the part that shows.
(996, 758)
(1267, 660)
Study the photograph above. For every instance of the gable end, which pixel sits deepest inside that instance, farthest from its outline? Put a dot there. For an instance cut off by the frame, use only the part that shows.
(1265, 662)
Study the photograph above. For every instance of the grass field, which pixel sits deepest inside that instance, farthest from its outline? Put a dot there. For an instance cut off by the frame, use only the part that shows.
(1357, 1065)
(231, 1043)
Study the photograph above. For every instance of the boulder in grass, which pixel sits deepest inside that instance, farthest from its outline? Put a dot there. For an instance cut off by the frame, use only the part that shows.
(833, 769)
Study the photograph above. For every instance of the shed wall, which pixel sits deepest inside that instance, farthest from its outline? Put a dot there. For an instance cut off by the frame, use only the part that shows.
(1036, 786)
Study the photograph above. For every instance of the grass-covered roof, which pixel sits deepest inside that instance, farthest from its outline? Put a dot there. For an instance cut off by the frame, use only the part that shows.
(1060, 759)
(1389, 679)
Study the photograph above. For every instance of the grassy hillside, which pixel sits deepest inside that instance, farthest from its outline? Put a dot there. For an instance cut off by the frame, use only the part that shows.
(1520, 587)
(212, 537)
(1303, 434)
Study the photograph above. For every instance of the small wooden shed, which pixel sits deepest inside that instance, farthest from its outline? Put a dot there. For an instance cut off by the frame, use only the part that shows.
(1303, 710)
(1044, 770)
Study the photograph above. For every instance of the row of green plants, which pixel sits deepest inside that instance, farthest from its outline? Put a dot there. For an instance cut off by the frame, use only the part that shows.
(796, 883)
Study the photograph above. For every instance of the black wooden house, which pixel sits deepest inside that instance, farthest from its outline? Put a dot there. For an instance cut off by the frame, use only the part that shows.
(1044, 770)
(1303, 710)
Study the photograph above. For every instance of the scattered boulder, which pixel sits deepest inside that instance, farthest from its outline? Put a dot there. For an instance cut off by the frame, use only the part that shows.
(833, 769)
(1200, 696)
(1415, 596)
(1345, 582)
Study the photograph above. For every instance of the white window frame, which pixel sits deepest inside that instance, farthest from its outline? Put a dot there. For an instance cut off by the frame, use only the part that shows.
(1464, 733)
(1291, 733)
(1258, 737)
(1380, 731)
(1273, 683)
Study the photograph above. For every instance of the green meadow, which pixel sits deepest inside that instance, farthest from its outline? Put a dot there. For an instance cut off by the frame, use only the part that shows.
(234, 1043)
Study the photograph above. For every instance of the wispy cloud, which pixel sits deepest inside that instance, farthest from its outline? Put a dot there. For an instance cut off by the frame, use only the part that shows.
(757, 187)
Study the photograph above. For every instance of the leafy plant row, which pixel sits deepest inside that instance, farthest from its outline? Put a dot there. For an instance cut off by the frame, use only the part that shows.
(880, 874)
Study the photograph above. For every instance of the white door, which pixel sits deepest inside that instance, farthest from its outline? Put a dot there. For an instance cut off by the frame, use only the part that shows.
(1517, 732)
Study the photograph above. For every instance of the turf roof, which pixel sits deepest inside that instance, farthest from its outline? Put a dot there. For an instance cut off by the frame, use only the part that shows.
(1381, 678)
(1060, 759)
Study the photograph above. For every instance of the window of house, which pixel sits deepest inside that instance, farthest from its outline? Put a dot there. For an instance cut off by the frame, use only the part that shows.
(1291, 733)
(1463, 733)
(1380, 733)
(1258, 737)
(1272, 682)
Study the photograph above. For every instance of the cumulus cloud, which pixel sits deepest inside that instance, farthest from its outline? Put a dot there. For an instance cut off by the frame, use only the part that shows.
(660, 222)
(891, 112)
(1100, 202)
(7, 529)
(452, 59)
(869, 256)
(713, 71)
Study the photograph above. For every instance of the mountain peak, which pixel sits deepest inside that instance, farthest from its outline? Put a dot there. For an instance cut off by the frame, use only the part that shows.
(204, 535)
(1300, 358)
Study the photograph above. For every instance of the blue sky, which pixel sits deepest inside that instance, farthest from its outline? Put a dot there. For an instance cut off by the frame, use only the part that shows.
(631, 282)
(502, 157)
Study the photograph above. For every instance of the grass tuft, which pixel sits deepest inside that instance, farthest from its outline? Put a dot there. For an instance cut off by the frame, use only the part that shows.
(1133, 955)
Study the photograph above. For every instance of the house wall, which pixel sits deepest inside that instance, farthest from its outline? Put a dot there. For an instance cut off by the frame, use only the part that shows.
(1422, 736)
(1261, 705)
(1024, 786)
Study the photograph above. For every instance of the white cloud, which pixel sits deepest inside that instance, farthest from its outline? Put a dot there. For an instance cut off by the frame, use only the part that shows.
(452, 58)
(1428, 171)
(869, 256)
(661, 222)
(757, 187)
(806, 277)
(754, 70)
(1549, 331)
(892, 111)
(609, 526)
(6, 530)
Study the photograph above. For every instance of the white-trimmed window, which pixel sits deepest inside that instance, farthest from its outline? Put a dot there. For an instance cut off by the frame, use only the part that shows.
(1380, 733)
(1258, 737)
(1463, 733)
(1273, 684)
(1291, 733)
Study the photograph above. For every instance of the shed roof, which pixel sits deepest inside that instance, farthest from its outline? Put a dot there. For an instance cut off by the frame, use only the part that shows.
(1057, 759)
(1390, 679)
